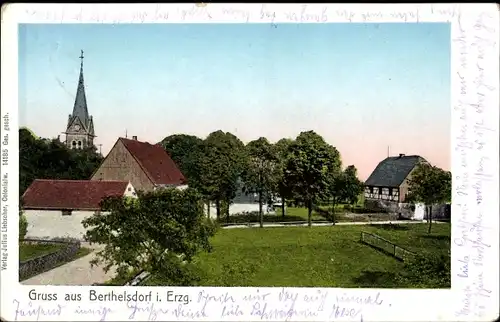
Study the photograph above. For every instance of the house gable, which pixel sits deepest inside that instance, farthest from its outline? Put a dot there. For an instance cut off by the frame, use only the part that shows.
(120, 164)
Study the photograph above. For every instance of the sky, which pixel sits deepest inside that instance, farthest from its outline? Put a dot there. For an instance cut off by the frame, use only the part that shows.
(368, 89)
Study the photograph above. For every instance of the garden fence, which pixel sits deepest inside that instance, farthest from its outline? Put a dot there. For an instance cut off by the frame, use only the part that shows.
(386, 246)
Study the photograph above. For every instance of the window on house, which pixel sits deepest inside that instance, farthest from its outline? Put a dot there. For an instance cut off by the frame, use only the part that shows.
(73, 143)
(129, 189)
(66, 212)
(371, 189)
(390, 191)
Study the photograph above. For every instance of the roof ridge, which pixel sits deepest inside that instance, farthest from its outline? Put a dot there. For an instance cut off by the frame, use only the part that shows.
(80, 180)
(392, 170)
(135, 140)
(70, 194)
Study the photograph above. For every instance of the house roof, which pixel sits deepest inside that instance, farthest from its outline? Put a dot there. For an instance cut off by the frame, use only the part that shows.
(392, 171)
(70, 194)
(155, 162)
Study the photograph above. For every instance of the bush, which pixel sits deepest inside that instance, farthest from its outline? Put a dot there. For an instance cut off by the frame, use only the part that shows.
(172, 230)
(211, 226)
(23, 225)
(429, 271)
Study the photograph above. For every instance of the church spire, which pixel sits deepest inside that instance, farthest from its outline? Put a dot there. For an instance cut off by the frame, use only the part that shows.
(80, 108)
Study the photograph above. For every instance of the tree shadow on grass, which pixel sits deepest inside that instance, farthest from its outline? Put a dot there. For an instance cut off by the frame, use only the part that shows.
(390, 226)
(435, 237)
(254, 218)
(378, 279)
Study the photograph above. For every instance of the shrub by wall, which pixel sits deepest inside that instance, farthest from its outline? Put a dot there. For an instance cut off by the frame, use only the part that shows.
(46, 262)
(23, 225)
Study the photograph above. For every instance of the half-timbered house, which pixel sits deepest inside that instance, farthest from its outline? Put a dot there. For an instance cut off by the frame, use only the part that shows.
(390, 179)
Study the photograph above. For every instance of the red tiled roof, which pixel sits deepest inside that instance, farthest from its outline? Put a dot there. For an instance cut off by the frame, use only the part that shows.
(70, 194)
(155, 162)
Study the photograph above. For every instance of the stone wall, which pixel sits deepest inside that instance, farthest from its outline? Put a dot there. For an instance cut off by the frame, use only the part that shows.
(40, 264)
(439, 212)
(406, 210)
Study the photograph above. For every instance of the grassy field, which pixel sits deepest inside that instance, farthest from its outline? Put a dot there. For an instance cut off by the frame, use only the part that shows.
(317, 256)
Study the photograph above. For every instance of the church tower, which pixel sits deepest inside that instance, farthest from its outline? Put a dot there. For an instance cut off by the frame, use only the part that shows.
(80, 129)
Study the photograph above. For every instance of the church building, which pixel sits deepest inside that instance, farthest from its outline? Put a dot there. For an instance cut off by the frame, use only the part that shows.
(80, 128)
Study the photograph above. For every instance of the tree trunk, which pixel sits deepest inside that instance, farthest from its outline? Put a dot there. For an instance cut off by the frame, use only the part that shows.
(227, 212)
(309, 213)
(283, 208)
(333, 211)
(217, 207)
(208, 209)
(261, 214)
(430, 219)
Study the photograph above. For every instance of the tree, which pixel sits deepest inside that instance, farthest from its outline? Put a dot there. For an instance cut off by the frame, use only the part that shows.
(344, 187)
(353, 187)
(309, 166)
(23, 225)
(430, 185)
(221, 166)
(282, 149)
(158, 232)
(185, 150)
(50, 159)
(258, 175)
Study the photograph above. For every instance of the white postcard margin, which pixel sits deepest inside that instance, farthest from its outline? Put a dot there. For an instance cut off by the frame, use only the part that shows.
(475, 159)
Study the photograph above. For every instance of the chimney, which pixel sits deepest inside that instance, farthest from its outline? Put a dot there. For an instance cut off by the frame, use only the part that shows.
(134, 137)
(401, 155)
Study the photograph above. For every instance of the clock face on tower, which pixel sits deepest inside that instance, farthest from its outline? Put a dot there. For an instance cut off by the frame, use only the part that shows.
(77, 127)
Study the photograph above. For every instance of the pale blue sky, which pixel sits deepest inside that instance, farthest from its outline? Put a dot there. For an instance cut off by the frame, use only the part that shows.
(362, 86)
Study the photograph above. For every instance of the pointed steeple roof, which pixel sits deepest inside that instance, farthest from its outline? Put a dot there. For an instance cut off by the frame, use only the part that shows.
(80, 108)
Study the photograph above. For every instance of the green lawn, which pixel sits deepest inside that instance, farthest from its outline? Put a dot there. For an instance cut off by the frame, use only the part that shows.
(29, 251)
(317, 256)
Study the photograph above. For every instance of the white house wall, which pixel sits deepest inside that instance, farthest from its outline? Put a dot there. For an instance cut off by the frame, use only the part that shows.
(130, 191)
(51, 223)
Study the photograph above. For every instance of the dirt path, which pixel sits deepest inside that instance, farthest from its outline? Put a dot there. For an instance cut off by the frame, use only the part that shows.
(77, 272)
